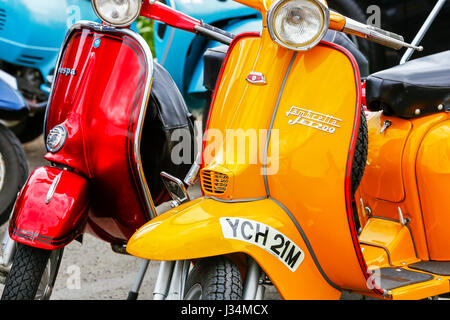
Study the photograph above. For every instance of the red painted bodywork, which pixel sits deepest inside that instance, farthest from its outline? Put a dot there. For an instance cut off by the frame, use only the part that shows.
(54, 224)
(100, 107)
(161, 12)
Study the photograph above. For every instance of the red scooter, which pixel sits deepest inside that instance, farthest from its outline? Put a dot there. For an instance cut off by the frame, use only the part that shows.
(108, 132)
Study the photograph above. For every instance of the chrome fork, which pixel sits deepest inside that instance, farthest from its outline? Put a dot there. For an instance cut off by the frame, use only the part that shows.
(254, 288)
(171, 280)
(8, 250)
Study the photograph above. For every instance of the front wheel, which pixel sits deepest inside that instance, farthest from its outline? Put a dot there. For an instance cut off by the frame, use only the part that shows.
(33, 274)
(214, 278)
(13, 171)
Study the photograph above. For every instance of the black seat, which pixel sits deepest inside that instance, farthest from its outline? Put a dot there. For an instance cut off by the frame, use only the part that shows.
(416, 88)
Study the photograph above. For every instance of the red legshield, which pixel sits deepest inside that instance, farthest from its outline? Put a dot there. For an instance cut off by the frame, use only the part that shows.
(100, 92)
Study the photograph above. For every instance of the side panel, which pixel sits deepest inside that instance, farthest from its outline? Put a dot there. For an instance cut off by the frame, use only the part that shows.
(412, 205)
(384, 160)
(433, 179)
(194, 230)
(102, 102)
(50, 220)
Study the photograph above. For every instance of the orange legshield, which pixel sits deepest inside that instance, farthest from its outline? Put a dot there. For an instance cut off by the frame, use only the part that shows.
(287, 202)
(308, 111)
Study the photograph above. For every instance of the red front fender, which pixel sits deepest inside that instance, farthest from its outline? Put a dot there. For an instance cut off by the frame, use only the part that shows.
(51, 209)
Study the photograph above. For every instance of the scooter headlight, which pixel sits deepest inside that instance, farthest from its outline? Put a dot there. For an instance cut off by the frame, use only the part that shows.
(118, 13)
(298, 24)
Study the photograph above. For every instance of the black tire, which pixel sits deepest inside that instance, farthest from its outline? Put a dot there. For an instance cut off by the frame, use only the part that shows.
(30, 128)
(27, 271)
(13, 171)
(217, 278)
(360, 155)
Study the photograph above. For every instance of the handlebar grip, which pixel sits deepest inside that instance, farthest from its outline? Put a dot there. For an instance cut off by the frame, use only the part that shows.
(380, 36)
(387, 33)
(218, 30)
(214, 33)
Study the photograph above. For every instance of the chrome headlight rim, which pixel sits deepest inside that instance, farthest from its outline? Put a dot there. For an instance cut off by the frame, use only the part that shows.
(116, 25)
(56, 138)
(270, 25)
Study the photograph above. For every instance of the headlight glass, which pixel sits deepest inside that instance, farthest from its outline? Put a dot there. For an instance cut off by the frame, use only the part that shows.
(298, 24)
(118, 13)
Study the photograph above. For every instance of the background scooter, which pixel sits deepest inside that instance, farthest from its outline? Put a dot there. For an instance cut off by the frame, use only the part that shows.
(31, 33)
(13, 162)
(181, 52)
(105, 153)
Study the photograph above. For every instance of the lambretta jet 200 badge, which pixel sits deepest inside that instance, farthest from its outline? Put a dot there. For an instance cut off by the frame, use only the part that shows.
(265, 237)
(319, 121)
(256, 78)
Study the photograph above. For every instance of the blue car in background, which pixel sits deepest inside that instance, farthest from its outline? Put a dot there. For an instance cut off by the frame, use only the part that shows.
(181, 52)
(31, 33)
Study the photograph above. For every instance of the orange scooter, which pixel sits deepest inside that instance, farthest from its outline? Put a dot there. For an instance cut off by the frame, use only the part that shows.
(283, 156)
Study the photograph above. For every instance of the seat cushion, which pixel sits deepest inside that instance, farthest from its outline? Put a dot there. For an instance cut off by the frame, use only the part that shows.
(416, 88)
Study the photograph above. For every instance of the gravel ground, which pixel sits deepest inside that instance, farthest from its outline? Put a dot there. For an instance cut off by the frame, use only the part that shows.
(92, 271)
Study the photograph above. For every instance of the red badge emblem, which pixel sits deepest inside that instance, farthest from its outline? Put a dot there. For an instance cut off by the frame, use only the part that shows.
(256, 78)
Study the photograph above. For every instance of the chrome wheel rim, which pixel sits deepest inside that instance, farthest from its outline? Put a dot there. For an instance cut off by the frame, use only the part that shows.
(2, 171)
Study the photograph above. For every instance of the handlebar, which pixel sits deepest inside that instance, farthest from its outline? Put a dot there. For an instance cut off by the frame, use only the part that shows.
(341, 23)
(156, 10)
(161, 12)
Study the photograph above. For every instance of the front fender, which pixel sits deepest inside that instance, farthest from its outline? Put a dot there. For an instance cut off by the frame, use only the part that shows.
(50, 220)
(199, 229)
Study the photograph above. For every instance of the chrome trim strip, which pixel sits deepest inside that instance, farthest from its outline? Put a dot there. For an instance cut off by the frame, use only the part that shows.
(266, 146)
(235, 200)
(51, 190)
(137, 138)
(308, 244)
(102, 28)
(266, 183)
(380, 247)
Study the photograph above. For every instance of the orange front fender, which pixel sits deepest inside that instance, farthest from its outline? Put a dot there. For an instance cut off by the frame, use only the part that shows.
(207, 227)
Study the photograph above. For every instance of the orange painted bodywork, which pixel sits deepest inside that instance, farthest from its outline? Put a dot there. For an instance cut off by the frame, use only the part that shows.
(391, 237)
(400, 174)
(322, 80)
(305, 196)
(193, 231)
(433, 179)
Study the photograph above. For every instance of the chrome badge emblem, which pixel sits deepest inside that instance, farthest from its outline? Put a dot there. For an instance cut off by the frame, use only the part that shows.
(67, 71)
(256, 78)
(56, 138)
(319, 121)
